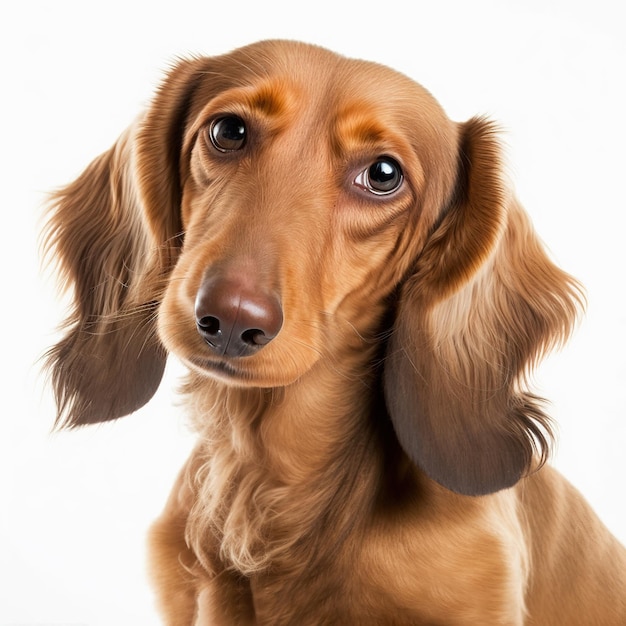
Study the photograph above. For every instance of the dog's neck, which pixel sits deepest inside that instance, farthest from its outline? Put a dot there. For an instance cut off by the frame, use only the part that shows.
(282, 465)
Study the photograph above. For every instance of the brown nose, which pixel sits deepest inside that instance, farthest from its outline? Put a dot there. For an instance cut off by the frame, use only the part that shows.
(235, 318)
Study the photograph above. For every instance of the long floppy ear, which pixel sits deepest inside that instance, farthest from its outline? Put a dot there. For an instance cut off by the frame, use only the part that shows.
(115, 233)
(482, 305)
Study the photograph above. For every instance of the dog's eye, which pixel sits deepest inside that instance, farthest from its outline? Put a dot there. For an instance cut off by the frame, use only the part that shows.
(382, 177)
(228, 134)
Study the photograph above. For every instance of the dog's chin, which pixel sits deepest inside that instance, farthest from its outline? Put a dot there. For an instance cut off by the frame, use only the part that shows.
(241, 372)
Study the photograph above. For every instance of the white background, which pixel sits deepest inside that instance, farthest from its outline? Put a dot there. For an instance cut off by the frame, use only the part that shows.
(75, 506)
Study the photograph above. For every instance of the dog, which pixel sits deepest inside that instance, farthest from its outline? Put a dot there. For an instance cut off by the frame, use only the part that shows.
(359, 298)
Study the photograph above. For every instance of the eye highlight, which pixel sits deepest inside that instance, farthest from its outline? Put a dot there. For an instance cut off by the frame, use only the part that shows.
(228, 133)
(381, 178)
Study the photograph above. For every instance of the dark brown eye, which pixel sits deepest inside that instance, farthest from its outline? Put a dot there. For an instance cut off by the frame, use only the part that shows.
(228, 134)
(381, 178)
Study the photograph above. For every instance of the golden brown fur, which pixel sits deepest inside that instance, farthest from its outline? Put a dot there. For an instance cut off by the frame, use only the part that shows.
(368, 450)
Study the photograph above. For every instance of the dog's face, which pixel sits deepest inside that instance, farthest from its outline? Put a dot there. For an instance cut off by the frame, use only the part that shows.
(309, 181)
(265, 209)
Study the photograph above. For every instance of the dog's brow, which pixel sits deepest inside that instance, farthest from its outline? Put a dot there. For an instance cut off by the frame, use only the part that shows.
(356, 128)
(271, 99)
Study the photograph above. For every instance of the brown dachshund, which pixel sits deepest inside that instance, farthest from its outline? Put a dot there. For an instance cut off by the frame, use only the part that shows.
(359, 299)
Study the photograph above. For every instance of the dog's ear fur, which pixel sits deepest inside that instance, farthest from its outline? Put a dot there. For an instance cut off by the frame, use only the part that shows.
(482, 306)
(115, 234)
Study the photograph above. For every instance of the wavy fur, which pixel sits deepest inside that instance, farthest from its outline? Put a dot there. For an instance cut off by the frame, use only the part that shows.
(369, 448)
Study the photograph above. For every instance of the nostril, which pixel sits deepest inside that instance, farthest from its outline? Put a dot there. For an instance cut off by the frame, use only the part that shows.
(255, 337)
(209, 325)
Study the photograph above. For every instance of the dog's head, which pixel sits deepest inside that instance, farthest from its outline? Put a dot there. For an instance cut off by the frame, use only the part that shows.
(268, 210)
